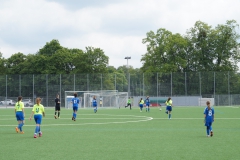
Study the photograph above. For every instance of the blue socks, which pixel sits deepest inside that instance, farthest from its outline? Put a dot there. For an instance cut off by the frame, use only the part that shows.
(208, 129)
(37, 129)
(74, 115)
(20, 127)
(169, 116)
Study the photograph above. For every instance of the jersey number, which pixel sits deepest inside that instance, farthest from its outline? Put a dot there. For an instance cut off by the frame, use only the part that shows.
(37, 110)
(210, 113)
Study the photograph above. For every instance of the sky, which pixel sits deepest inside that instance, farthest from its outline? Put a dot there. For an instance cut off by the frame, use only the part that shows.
(115, 26)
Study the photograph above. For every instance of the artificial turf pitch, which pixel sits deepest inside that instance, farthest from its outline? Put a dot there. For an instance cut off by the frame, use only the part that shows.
(123, 134)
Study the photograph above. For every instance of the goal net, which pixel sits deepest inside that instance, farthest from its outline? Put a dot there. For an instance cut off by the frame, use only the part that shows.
(105, 98)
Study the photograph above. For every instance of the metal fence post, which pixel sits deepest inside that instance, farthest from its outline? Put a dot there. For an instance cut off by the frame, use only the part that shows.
(171, 84)
(228, 90)
(157, 84)
(6, 91)
(20, 85)
(47, 89)
(88, 82)
(200, 85)
(143, 85)
(129, 84)
(33, 90)
(60, 85)
(157, 88)
(115, 82)
(101, 82)
(214, 85)
(74, 83)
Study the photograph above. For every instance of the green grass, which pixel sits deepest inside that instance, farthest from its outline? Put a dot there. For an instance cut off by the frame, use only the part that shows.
(123, 134)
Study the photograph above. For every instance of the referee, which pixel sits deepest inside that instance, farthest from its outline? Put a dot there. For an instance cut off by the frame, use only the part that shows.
(57, 107)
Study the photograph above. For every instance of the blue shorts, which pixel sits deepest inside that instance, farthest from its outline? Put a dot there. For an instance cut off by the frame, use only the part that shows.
(169, 108)
(208, 124)
(19, 116)
(141, 105)
(75, 108)
(38, 118)
(148, 104)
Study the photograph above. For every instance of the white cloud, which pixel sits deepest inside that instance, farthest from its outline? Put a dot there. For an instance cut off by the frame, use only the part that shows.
(117, 27)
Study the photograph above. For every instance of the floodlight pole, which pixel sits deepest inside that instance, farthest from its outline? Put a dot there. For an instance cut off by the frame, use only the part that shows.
(127, 58)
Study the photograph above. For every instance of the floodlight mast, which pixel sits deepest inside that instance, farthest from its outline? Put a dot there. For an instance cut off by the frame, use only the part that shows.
(127, 58)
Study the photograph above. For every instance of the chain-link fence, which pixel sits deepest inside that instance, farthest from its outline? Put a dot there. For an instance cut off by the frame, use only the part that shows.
(223, 86)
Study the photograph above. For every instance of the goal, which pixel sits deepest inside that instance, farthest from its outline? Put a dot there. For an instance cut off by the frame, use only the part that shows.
(105, 98)
(202, 101)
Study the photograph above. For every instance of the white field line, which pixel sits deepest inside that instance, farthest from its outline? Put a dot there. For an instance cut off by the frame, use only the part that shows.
(141, 119)
(88, 115)
(71, 118)
(200, 118)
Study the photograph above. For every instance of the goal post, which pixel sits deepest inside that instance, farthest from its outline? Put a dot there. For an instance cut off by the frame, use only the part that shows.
(105, 98)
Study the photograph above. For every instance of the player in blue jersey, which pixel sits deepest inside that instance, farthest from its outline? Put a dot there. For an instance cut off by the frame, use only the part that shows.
(38, 112)
(147, 102)
(169, 107)
(209, 118)
(94, 104)
(19, 112)
(141, 102)
(75, 101)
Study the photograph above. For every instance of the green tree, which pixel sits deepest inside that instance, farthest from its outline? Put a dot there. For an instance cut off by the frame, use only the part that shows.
(97, 60)
(62, 62)
(212, 49)
(3, 69)
(227, 38)
(15, 64)
(165, 52)
(50, 48)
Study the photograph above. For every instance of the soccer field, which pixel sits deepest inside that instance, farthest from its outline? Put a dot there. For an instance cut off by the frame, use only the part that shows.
(123, 134)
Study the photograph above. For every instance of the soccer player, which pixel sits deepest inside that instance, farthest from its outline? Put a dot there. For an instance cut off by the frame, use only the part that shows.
(19, 112)
(209, 118)
(129, 103)
(57, 107)
(38, 112)
(141, 102)
(94, 104)
(75, 101)
(169, 107)
(147, 102)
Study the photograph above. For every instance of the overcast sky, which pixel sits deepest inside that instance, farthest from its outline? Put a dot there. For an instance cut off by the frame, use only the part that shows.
(115, 26)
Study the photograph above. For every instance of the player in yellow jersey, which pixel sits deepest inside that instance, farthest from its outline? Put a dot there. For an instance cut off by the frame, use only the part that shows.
(38, 112)
(141, 102)
(19, 112)
(169, 107)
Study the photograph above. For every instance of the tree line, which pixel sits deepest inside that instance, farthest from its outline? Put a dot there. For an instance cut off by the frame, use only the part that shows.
(201, 49)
